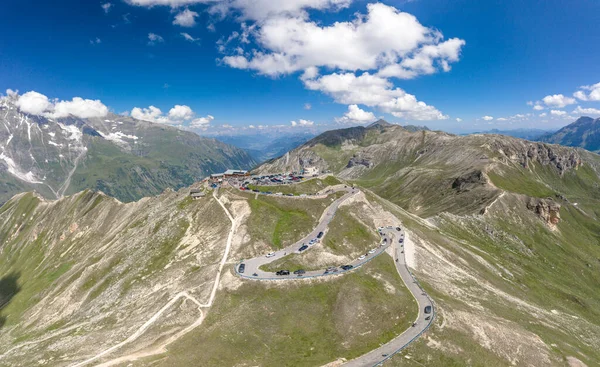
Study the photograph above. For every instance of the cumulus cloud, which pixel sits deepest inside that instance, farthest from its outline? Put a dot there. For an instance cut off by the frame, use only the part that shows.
(557, 113)
(302, 123)
(356, 115)
(79, 107)
(106, 7)
(538, 107)
(458, 119)
(385, 39)
(586, 111)
(558, 100)
(373, 91)
(179, 115)
(543, 114)
(38, 104)
(180, 112)
(588, 92)
(487, 118)
(33, 103)
(307, 106)
(201, 122)
(186, 18)
(188, 37)
(154, 38)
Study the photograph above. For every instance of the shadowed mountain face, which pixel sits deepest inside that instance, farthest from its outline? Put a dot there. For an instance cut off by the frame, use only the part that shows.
(121, 156)
(8, 289)
(583, 133)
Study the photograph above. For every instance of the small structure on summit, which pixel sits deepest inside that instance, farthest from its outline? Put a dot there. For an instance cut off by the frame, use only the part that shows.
(197, 194)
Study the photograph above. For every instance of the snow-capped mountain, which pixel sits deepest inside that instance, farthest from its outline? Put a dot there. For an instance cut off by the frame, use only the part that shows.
(122, 156)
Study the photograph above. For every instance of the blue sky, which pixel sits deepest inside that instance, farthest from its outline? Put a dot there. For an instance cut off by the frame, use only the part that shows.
(503, 55)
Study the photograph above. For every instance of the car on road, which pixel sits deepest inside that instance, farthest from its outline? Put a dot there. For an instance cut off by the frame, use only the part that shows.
(242, 268)
(428, 318)
(401, 240)
(398, 229)
(300, 272)
(427, 309)
(302, 248)
(331, 269)
(362, 257)
(270, 254)
(372, 251)
(346, 267)
(320, 235)
(283, 272)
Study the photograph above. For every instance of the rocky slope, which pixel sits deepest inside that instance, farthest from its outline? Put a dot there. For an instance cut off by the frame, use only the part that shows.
(433, 172)
(583, 133)
(121, 156)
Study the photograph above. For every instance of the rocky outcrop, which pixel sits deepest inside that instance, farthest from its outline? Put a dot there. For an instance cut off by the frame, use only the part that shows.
(469, 181)
(547, 209)
(525, 153)
(359, 160)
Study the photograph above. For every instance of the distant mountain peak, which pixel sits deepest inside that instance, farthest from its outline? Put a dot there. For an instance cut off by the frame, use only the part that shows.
(380, 123)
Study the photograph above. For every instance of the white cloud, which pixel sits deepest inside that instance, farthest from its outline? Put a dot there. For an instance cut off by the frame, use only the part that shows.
(302, 123)
(592, 95)
(179, 115)
(33, 103)
(106, 7)
(180, 112)
(38, 104)
(154, 38)
(79, 107)
(543, 114)
(580, 95)
(201, 122)
(487, 118)
(458, 119)
(502, 119)
(95, 41)
(538, 107)
(356, 115)
(374, 91)
(558, 112)
(188, 37)
(152, 114)
(558, 100)
(186, 18)
(586, 111)
(385, 39)
(307, 106)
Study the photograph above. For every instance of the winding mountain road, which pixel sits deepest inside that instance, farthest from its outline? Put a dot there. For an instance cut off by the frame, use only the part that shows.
(391, 239)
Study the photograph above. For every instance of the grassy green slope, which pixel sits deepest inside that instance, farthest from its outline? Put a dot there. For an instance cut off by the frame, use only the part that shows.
(300, 323)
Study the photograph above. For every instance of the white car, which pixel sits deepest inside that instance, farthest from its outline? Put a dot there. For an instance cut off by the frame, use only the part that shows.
(372, 251)
(270, 254)
(362, 257)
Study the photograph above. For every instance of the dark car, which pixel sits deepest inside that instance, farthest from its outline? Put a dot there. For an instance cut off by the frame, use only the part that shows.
(242, 268)
(427, 309)
(300, 272)
(320, 235)
(283, 272)
(304, 247)
(398, 229)
(346, 267)
(401, 240)
(428, 318)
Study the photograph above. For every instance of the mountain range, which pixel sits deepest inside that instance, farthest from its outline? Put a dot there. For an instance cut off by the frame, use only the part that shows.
(583, 133)
(118, 155)
(501, 232)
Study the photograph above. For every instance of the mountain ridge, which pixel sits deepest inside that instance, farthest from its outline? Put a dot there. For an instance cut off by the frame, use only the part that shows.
(119, 155)
(583, 133)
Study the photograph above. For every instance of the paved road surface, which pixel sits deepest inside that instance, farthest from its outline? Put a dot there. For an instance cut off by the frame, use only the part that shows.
(390, 238)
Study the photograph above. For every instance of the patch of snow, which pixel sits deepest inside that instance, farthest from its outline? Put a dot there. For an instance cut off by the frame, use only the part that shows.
(9, 139)
(52, 134)
(14, 170)
(120, 122)
(71, 132)
(118, 137)
(107, 121)
(53, 143)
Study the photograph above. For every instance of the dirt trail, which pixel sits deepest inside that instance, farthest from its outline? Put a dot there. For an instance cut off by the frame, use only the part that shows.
(162, 347)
